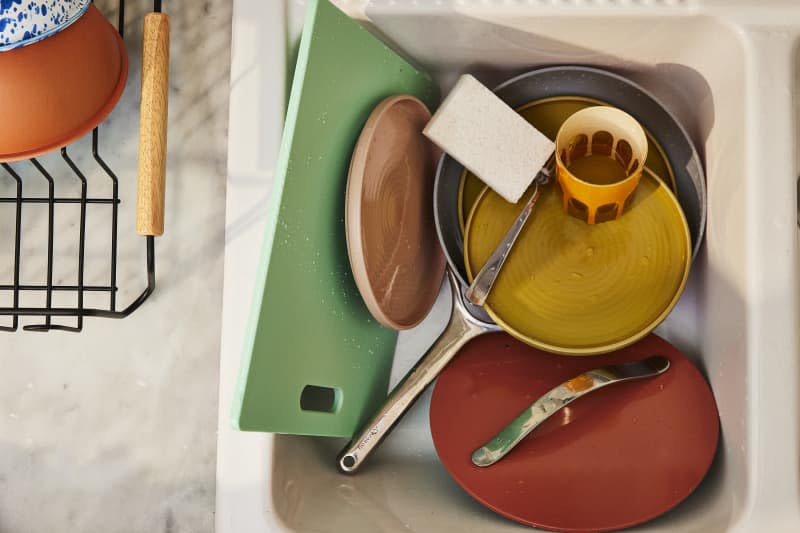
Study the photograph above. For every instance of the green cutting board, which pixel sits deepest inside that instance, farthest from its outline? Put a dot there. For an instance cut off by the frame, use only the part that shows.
(309, 325)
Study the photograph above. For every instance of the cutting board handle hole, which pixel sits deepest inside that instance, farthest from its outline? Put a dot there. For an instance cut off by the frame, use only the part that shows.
(317, 398)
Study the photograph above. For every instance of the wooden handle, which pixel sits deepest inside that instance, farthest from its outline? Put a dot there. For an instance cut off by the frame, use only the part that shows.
(153, 125)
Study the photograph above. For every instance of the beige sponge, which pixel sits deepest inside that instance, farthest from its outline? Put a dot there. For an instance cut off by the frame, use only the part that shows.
(489, 138)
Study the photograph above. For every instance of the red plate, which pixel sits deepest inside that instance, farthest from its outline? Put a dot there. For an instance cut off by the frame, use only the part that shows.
(615, 458)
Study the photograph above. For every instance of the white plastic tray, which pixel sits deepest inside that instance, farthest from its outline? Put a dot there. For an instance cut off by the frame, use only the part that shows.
(729, 71)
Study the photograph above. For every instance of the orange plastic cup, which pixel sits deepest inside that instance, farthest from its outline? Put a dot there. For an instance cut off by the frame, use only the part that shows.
(600, 155)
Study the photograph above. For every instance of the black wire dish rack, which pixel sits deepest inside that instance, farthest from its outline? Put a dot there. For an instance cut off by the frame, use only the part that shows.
(34, 169)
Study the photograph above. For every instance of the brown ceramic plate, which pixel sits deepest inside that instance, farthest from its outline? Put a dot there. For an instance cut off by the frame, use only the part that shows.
(391, 239)
(58, 89)
(617, 457)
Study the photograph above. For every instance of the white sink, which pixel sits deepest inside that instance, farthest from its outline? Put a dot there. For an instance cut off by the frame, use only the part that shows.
(728, 73)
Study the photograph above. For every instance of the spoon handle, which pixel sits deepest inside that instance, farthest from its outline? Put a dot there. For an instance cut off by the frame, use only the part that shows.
(559, 397)
(480, 287)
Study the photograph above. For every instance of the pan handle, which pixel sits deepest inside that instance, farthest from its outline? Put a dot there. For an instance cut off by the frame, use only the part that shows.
(153, 125)
(461, 329)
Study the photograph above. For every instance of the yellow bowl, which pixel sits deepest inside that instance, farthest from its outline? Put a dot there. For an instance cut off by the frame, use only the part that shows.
(578, 289)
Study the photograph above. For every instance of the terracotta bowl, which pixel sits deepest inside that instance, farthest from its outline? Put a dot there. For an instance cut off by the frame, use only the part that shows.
(58, 89)
(25, 22)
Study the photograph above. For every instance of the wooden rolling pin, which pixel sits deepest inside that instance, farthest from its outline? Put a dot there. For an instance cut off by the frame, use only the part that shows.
(153, 125)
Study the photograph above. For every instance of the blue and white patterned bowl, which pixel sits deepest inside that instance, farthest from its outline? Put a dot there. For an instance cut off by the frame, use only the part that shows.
(23, 22)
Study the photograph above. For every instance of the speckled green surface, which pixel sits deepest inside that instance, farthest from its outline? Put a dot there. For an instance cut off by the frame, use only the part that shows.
(309, 325)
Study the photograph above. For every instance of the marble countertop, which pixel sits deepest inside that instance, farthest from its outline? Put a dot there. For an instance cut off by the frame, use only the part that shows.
(114, 428)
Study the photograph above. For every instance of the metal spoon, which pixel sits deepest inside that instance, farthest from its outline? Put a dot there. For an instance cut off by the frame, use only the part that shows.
(479, 290)
(561, 396)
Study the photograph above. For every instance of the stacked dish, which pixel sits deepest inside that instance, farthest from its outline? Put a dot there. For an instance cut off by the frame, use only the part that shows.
(568, 288)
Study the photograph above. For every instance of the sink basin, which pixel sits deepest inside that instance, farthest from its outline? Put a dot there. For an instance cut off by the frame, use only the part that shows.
(728, 74)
